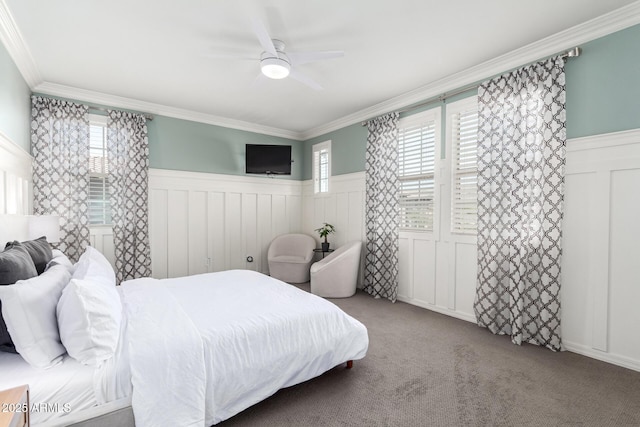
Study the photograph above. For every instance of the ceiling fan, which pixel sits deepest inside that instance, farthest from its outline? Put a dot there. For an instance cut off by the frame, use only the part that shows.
(277, 64)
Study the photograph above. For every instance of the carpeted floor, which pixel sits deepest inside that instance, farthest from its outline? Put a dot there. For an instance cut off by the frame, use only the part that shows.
(427, 369)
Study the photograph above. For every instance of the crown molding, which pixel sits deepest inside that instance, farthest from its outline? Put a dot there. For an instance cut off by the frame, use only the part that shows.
(115, 101)
(611, 22)
(14, 43)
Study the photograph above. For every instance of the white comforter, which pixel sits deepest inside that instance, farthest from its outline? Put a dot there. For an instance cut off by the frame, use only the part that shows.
(203, 348)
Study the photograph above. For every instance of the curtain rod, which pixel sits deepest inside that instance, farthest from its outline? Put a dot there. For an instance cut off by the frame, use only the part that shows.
(571, 53)
(104, 110)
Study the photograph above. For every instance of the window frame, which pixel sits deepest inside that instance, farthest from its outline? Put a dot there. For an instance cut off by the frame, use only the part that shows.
(455, 109)
(317, 178)
(98, 120)
(430, 116)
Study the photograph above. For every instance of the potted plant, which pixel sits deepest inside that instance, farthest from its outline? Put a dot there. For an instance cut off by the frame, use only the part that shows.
(324, 231)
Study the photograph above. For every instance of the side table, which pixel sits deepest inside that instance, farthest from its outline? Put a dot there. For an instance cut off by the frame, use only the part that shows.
(318, 251)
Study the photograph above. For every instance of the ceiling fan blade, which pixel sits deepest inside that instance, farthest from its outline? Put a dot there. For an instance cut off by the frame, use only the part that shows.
(258, 81)
(299, 58)
(263, 36)
(304, 79)
(230, 56)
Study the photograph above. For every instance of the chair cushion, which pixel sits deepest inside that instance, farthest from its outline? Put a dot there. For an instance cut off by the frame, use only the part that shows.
(291, 259)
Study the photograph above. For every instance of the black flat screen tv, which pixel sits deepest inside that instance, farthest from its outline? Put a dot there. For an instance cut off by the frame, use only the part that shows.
(268, 159)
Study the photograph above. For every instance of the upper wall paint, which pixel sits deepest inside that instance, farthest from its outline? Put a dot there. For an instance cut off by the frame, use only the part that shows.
(347, 150)
(603, 85)
(191, 146)
(603, 95)
(15, 102)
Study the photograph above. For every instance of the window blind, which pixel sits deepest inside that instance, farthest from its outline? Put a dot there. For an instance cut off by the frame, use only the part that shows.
(464, 209)
(321, 159)
(99, 196)
(416, 166)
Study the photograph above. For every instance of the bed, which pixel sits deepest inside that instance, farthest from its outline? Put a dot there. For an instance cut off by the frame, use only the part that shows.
(205, 346)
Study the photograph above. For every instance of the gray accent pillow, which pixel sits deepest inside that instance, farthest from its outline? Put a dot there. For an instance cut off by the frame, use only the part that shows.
(40, 252)
(15, 264)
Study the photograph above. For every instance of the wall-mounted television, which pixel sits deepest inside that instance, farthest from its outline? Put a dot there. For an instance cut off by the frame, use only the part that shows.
(268, 159)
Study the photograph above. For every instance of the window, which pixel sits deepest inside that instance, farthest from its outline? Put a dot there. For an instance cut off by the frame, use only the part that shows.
(99, 205)
(463, 119)
(321, 167)
(419, 135)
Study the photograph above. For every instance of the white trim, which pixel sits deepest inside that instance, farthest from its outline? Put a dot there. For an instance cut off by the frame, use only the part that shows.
(605, 140)
(611, 22)
(615, 359)
(18, 50)
(11, 147)
(177, 179)
(317, 148)
(16, 190)
(93, 97)
(438, 309)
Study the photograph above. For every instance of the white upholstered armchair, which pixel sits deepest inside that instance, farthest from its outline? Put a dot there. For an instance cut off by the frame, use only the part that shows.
(336, 276)
(290, 256)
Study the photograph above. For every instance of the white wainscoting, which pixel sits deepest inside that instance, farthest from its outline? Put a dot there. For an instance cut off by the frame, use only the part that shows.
(101, 238)
(427, 276)
(342, 207)
(601, 256)
(600, 279)
(201, 222)
(15, 178)
(16, 195)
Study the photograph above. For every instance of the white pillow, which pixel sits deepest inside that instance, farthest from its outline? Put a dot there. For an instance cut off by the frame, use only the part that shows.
(29, 310)
(94, 266)
(89, 315)
(59, 258)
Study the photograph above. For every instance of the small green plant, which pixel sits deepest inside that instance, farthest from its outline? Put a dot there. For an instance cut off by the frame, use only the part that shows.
(325, 230)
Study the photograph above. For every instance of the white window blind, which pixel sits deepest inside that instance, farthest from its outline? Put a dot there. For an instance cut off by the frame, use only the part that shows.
(321, 167)
(464, 167)
(99, 205)
(416, 158)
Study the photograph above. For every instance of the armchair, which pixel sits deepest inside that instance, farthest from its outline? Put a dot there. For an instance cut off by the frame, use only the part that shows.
(290, 256)
(336, 276)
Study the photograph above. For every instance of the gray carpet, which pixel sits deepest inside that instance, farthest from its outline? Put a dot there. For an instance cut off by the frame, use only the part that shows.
(424, 368)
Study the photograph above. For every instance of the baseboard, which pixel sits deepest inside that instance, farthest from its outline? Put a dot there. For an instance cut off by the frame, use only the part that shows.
(437, 309)
(614, 359)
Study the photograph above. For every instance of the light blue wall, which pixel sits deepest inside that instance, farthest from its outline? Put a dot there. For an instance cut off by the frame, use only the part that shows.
(191, 146)
(603, 95)
(347, 150)
(15, 102)
(603, 85)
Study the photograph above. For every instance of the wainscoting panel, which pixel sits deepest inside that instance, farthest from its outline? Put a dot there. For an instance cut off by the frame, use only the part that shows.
(15, 178)
(342, 207)
(600, 280)
(101, 238)
(202, 222)
(15, 191)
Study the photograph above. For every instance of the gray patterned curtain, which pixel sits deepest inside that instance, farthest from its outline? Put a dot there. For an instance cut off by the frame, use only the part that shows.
(382, 215)
(521, 157)
(60, 149)
(128, 159)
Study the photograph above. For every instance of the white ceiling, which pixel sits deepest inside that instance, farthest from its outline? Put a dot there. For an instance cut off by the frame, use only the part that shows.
(155, 51)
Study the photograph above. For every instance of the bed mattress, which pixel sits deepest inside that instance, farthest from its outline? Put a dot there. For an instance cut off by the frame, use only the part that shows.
(225, 341)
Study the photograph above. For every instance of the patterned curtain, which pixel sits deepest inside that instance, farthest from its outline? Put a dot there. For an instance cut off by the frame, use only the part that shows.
(382, 216)
(60, 149)
(521, 157)
(128, 160)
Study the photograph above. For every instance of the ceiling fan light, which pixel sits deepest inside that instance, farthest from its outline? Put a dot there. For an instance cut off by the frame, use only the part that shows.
(275, 68)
